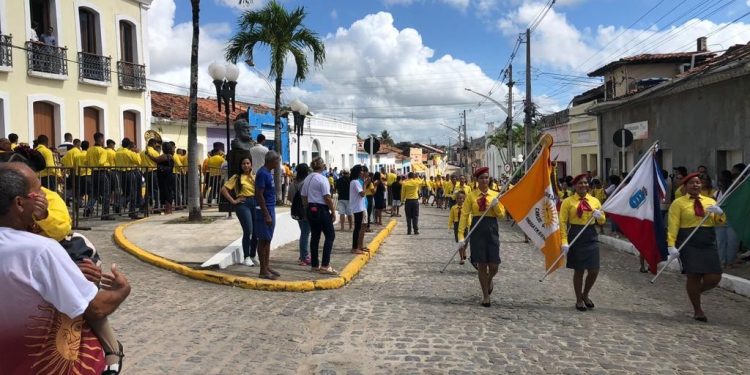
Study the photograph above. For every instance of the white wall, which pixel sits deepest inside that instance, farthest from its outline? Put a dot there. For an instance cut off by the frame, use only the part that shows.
(335, 137)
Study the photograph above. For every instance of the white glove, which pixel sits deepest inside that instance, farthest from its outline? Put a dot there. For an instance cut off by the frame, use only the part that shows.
(565, 249)
(495, 202)
(715, 209)
(673, 253)
(461, 243)
(597, 214)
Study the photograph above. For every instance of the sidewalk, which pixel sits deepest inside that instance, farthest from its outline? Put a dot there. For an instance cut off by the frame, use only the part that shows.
(734, 279)
(172, 243)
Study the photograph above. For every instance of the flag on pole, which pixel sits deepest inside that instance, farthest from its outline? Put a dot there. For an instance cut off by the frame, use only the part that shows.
(636, 210)
(737, 208)
(532, 204)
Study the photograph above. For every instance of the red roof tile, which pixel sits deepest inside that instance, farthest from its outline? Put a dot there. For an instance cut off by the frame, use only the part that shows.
(175, 107)
(651, 58)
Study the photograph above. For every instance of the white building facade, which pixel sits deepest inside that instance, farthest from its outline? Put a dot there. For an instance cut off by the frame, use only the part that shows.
(332, 139)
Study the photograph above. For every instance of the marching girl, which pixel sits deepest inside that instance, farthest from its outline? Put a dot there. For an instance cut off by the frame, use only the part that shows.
(454, 219)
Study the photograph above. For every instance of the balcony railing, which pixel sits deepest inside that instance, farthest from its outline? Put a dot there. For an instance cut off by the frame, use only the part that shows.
(44, 58)
(131, 76)
(6, 55)
(93, 67)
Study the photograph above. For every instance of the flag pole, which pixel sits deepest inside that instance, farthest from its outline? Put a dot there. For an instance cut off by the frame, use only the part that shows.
(588, 222)
(497, 198)
(730, 190)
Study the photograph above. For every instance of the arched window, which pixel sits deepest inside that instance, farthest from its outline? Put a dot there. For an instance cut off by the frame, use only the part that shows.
(315, 149)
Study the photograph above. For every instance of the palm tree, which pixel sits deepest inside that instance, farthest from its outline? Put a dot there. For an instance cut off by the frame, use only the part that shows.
(282, 32)
(386, 138)
(194, 202)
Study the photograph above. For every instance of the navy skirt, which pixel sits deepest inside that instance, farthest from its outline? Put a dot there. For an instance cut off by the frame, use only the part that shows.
(485, 241)
(699, 255)
(584, 253)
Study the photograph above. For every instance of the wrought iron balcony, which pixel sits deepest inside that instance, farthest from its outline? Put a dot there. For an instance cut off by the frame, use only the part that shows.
(93, 67)
(45, 58)
(131, 76)
(6, 55)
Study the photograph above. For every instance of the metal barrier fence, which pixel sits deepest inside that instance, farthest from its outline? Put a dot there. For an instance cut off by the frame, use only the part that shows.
(106, 192)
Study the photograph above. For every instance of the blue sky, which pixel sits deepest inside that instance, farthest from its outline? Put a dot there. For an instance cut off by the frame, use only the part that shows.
(402, 65)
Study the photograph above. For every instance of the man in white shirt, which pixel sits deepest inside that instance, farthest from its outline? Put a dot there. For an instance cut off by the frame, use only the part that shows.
(45, 296)
(258, 153)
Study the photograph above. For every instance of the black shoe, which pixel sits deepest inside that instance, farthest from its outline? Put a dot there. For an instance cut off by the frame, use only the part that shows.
(87, 212)
(580, 308)
(408, 233)
(416, 233)
(701, 319)
(486, 304)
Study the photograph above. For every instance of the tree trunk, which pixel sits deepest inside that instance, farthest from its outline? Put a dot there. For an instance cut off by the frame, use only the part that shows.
(277, 138)
(193, 173)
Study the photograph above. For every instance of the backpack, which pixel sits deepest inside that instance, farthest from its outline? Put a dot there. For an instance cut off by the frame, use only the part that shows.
(298, 208)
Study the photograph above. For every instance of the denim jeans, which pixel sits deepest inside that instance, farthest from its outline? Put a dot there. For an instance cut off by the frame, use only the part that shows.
(245, 213)
(304, 239)
(727, 243)
(320, 222)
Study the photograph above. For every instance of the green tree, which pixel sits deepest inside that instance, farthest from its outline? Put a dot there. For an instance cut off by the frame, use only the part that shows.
(385, 138)
(284, 33)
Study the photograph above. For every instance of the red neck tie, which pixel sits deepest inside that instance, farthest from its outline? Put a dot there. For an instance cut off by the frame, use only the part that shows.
(459, 212)
(482, 202)
(583, 205)
(698, 207)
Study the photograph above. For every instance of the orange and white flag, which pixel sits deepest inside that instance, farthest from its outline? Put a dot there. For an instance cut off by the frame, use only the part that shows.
(531, 202)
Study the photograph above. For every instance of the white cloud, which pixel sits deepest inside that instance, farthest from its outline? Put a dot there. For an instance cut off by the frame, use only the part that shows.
(235, 4)
(459, 4)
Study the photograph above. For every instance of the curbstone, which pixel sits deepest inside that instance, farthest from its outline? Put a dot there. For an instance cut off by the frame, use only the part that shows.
(731, 283)
(350, 271)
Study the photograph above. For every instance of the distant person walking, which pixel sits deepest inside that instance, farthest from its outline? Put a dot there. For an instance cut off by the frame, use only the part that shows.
(410, 197)
(342, 206)
(357, 205)
(304, 225)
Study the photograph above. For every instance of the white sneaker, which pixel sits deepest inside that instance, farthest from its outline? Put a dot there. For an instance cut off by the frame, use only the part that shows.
(248, 262)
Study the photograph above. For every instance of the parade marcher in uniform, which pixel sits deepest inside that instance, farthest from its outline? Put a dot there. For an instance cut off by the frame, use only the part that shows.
(50, 174)
(454, 219)
(410, 197)
(98, 158)
(699, 256)
(165, 176)
(583, 255)
(147, 161)
(129, 161)
(243, 201)
(485, 241)
(448, 185)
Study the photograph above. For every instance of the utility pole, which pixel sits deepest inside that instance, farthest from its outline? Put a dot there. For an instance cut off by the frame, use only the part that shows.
(466, 147)
(529, 106)
(509, 124)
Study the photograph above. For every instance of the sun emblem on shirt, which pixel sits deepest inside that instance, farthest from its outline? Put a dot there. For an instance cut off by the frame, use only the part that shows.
(62, 345)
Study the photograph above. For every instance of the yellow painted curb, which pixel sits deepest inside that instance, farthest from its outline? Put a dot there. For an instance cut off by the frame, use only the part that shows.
(346, 275)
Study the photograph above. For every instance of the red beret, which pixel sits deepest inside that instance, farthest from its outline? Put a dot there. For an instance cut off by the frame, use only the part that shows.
(579, 177)
(688, 177)
(481, 171)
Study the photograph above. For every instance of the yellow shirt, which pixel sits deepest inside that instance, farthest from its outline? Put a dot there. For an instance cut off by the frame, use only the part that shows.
(247, 185)
(569, 215)
(370, 189)
(69, 160)
(390, 178)
(465, 188)
(708, 193)
(97, 157)
(682, 215)
(184, 160)
(330, 180)
(410, 189)
(13, 146)
(49, 160)
(471, 208)
(599, 194)
(177, 164)
(146, 161)
(448, 186)
(57, 225)
(453, 216)
(81, 162)
(214, 165)
(678, 192)
(111, 153)
(127, 158)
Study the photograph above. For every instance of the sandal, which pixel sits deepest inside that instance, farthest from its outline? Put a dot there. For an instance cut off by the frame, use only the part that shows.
(580, 307)
(589, 304)
(268, 276)
(274, 272)
(114, 369)
(357, 251)
(328, 271)
(365, 249)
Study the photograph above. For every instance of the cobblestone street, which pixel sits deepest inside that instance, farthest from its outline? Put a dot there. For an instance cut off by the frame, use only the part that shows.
(402, 316)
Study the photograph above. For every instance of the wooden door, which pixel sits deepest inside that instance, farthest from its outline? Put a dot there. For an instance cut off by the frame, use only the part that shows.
(129, 125)
(44, 121)
(90, 123)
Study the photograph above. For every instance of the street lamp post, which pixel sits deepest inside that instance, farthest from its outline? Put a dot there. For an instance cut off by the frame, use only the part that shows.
(225, 80)
(299, 110)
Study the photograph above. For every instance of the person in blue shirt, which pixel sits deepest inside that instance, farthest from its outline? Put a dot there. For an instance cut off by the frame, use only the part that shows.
(265, 213)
